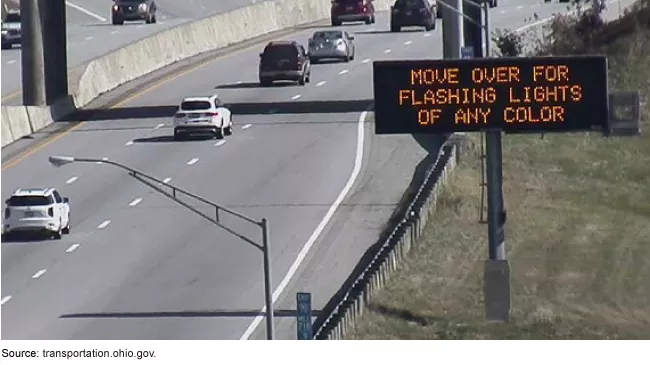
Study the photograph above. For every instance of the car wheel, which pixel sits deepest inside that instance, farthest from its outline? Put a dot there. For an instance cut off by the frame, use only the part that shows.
(368, 20)
(218, 133)
(373, 19)
(266, 82)
(228, 130)
(117, 21)
(154, 20)
(313, 60)
(178, 136)
(66, 229)
(308, 79)
(302, 80)
(336, 23)
(6, 45)
(394, 28)
(352, 57)
(59, 233)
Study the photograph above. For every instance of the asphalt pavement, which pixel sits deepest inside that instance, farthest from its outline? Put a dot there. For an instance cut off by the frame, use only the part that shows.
(91, 34)
(139, 266)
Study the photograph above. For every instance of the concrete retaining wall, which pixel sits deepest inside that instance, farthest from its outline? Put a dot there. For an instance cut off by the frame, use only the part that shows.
(335, 324)
(172, 45)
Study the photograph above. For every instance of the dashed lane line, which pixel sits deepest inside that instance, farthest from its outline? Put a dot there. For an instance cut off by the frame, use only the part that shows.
(39, 273)
(104, 224)
(71, 180)
(72, 248)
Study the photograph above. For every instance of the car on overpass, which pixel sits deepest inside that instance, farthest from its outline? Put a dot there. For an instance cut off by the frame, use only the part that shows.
(202, 114)
(133, 10)
(408, 13)
(36, 210)
(11, 32)
(284, 61)
(352, 11)
(331, 44)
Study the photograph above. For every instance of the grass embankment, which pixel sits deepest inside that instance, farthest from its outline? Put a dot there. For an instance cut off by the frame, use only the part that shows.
(578, 238)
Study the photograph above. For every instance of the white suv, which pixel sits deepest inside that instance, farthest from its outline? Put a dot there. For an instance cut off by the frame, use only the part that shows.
(37, 210)
(201, 114)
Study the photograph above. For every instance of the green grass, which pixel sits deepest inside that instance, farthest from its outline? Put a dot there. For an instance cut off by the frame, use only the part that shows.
(578, 239)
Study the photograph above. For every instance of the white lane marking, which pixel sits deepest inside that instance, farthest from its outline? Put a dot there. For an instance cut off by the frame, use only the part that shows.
(11, 62)
(407, 43)
(5, 300)
(321, 83)
(502, 12)
(298, 96)
(115, 32)
(89, 38)
(358, 161)
(163, 17)
(135, 202)
(159, 126)
(139, 26)
(39, 273)
(193, 161)
(371, 29)
(128, 143)
(427, 34)
(246, 126)
(343, 72)
(220, 143)
(387, 51)
(103, 158)
(104, 224)
(239, 82)
(86, 11)
(366, 60)
(72, 248)
(71, 180)
(167, 180)
(519, 7)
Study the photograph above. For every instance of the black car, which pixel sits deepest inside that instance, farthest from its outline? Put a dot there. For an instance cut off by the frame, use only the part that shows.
(406, 13)
(284, 61)
(133, 10)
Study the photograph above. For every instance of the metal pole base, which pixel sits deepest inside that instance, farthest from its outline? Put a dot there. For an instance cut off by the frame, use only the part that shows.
(496, 290)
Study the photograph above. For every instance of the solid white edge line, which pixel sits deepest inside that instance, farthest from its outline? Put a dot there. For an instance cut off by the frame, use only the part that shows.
(220, 143)
(5, 299)
(71, 180)
(86, 11)
(246, 126)
(358, 161)
(167, 180)
(193, 161)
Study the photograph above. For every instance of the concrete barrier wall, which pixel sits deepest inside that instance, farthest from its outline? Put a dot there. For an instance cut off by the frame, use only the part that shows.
(342, 317)
(172, 45)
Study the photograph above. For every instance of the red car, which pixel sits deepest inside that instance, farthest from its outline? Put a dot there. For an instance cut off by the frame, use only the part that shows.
(352, 11)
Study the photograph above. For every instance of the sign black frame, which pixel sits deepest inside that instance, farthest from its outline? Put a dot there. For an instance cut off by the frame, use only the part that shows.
(590, 72)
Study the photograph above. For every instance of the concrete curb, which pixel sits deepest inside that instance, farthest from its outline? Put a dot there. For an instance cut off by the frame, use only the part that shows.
(406, 234)
(169, 46)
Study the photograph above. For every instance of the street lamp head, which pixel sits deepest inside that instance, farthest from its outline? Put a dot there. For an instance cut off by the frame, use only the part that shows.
(59, 161)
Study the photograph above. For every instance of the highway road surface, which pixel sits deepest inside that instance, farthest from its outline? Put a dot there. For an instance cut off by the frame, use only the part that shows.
(91, 34)
(139, 266)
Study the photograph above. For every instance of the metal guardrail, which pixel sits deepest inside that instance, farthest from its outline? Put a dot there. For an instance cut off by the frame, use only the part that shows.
(345, 314)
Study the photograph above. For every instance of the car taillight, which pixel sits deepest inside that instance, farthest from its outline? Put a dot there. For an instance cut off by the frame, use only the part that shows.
(116, 8)
(7, 213)
(212, 114)
(50, 212)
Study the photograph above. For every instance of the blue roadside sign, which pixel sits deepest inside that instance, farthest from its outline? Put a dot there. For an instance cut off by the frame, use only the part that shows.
(303, 316)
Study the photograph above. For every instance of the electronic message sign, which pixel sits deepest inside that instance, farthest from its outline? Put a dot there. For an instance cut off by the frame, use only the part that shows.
(516, 95)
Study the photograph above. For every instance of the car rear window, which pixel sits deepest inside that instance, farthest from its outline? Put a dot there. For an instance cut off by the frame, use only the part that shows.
(278, 52)
(328, 35)
(346, 1)
(195, 105)
(409, 4)
(12, 18)
(29, 201)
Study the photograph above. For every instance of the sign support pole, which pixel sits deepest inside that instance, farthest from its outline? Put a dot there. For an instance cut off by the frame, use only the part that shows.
(496, 275)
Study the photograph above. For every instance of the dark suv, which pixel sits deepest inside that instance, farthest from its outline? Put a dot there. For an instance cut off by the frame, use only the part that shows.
(406, 13)
(133, 10)
(352, 11)
(284, 61)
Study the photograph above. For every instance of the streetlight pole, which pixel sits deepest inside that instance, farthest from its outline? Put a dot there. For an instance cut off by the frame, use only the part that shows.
(58, 161)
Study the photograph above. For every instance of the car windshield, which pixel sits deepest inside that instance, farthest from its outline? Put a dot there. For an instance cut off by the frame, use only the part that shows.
(328, 35)
(279, 52)
(29, 200)
(195, 105)
(12, 18)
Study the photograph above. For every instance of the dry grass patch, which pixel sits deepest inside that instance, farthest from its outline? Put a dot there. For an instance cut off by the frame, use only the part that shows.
(578, 239)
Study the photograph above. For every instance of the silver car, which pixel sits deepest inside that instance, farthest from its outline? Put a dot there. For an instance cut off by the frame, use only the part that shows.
(326, 44)
(11, 30)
